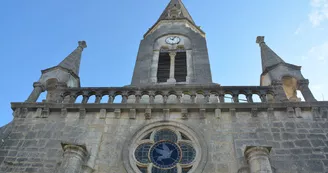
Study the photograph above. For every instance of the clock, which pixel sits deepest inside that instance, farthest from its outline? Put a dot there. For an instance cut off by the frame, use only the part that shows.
(172, 40)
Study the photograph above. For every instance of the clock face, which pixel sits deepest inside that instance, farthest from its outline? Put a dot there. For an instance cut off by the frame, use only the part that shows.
(172, 40)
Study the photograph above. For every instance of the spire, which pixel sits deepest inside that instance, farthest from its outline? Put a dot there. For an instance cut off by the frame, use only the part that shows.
(268, 56)
(72, 61)
(176, 10)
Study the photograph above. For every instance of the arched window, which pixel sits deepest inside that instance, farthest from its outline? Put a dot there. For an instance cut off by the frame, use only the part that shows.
(163, 69)
(172, 60)
(164, 65)
(180, 69)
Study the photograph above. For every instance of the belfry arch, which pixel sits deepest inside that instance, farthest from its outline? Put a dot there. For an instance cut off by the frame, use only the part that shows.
(172, 63)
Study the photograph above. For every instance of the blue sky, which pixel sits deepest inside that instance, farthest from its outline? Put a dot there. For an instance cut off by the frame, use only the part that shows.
(38, 34)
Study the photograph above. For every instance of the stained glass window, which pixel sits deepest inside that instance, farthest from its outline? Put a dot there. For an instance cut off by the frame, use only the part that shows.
(141, 153)
(165, 134)
(188, 153)
(165, 153)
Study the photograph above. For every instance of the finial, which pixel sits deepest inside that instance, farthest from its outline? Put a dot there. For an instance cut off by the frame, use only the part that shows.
(260, 39)
(82, 44)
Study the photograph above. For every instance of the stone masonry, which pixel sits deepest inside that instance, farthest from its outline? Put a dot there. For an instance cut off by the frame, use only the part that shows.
(232, 129)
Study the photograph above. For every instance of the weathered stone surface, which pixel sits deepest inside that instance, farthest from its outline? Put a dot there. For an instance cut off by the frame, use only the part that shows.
(227, 137)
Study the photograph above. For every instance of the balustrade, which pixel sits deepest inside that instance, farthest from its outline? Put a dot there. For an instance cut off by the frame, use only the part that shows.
(183, 94)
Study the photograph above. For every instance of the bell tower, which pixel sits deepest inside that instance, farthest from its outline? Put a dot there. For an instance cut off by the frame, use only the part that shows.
(173, 51)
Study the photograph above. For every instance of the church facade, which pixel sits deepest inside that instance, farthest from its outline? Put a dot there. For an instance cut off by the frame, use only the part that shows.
(172, 118)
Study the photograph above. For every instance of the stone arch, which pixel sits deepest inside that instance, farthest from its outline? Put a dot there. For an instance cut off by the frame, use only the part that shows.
(290, 87)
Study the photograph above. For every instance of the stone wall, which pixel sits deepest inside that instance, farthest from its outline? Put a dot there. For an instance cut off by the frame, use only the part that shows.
(36, 143)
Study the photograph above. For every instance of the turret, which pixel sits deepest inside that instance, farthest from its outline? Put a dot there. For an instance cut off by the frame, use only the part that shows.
(65, 74)
(286, 78)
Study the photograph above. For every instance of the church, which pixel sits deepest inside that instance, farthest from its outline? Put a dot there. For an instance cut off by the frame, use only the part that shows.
(172, 118)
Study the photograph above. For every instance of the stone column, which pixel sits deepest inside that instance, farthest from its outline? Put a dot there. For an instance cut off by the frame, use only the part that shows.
(154, 67)
(74, 158)
(38, 89)
(172, 67)
(303, 86)
(189, 66)
(258, 159)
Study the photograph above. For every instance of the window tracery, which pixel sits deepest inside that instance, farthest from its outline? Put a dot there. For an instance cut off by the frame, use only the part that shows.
(165, 150)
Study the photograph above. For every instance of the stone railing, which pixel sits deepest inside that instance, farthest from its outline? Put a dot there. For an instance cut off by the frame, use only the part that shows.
(168, 94)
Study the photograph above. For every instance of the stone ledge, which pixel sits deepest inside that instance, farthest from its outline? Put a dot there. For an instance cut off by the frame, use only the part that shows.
(225, 107)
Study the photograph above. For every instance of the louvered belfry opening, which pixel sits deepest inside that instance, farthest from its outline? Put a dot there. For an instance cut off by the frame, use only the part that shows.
(163, 71)
(180, 70)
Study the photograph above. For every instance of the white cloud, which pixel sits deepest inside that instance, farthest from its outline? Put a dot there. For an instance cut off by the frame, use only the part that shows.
(319, 53)
(319, 12)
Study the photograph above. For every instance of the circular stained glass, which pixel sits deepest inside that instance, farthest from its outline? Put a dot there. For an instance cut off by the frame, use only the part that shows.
(165, 135)
(165, 154)
(188, 153)
(141, 153)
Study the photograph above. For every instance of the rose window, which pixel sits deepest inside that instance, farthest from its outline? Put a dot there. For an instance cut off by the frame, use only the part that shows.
(165, 151)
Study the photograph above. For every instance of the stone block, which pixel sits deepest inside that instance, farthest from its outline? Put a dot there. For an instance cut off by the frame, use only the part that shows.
(317, 143)
(184, 114)
(82, 113)
(315, 166)
(38, 113)
(288, 145)
(117, 113)
(270, 112)
(316, 136)
(298, 112)
(315, 112)
(63, 112)
(290, 112)
(102, 114)
(290, 125)
(302, 143)
(202, 113)
(218, 113)
(277, 124)
(288, 136)
(166, 113)
(232, 112)
(254, 112)
(148, 114)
